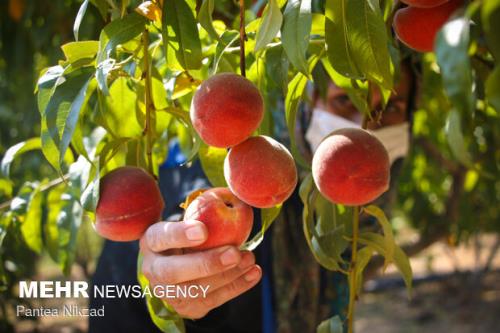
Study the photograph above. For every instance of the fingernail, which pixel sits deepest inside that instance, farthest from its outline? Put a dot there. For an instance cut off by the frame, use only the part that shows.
(229, 257)
(252, 275)
(195, 233)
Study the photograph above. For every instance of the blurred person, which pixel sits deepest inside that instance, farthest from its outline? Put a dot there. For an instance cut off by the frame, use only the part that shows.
(279, 287)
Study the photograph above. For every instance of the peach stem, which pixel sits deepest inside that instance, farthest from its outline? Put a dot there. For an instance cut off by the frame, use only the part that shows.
(352, 271)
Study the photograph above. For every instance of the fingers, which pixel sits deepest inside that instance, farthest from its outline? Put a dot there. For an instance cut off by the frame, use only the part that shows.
(214, 282)
(174, 269)
(163, 236)
(200, 307)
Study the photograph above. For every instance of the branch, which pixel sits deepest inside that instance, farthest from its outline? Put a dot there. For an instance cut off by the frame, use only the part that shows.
(242, 38)
(49, 185)
(431, 150)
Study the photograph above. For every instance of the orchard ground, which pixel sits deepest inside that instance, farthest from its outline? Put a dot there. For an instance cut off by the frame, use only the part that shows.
(446, 297)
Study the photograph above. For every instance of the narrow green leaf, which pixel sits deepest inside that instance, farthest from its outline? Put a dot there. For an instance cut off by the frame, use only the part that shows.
(377, 242)
(387, 230)
(270, 25)
(212, 162)
(226, 40)
(180, 33)
(337, 39)
(452, 45)
(332, 325)
(79, 18)
(205, 18)
(17, 150)
(493, 89)
(363, 258)
(455, 138)
(164, 316)
(295, 32)
(90, 194)
(118, 32)
(76, 51)
(268, 216)
(183, 117)
(31, 227)
(490, 17)
(308, 195)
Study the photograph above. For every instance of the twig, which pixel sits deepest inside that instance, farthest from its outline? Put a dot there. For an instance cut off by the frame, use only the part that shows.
(48, 186)
(352, 271)
(148, 130)
(242, 38)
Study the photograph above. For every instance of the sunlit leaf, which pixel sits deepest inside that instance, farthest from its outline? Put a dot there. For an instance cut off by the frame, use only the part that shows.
(270, 25)
(180, 34)
(79, 18)
(332, 325)
(387, 230)
(268, 216)
(295, 32)
(17, 150)
(205, 18)
(212, 162)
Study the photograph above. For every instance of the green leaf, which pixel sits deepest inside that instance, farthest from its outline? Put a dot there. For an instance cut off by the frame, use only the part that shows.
(119, 32)
(226, 40)
(212, 162)
(357, 94)
(490, 17)
(120, 112)
(50, 228)
(337, 39)
(363, 258)
(387, 230)
(164, 317)
(268, 216)
(357, 40)
(90, 195)
(377, 242)
(270, 25)
(205, 18)
(452, 44)
(76, 51)
(295, 32)
(79, 18)
(455, 138)
(17, 150)
(295, 91)
(183, 117)
(308, 195)
(6, 187)
(31, 227)
(493, 89)
(5, 222)
(332, 325)
(180, 33)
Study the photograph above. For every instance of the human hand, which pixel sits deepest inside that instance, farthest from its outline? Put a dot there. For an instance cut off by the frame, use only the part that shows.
(226, 271)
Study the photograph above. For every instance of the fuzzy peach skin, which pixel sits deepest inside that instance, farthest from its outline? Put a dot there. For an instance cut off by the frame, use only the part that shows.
(424, 3)
(228, 219)
(260, 171)
(351, 167)
(226, 109)
(418, 27)
(129, 202)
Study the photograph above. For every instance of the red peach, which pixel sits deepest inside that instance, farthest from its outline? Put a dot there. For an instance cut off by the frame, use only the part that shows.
(129, 202)
(226, 109)
(351, 167)
(228, 219)
(424, 3)
(260, 171)
(418, 27)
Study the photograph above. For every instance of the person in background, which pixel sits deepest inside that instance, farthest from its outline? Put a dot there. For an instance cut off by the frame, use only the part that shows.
(279, 287)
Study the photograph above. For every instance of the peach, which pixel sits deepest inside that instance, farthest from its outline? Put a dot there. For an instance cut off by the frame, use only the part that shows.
(418, 27)
(226, 109)
(424, 3)
(228, 219)
(129, 202)
(351, 167)
(260, 171)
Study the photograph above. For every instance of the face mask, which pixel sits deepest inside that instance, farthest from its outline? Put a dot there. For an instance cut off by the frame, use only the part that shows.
(322, 124)
(396, 139)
